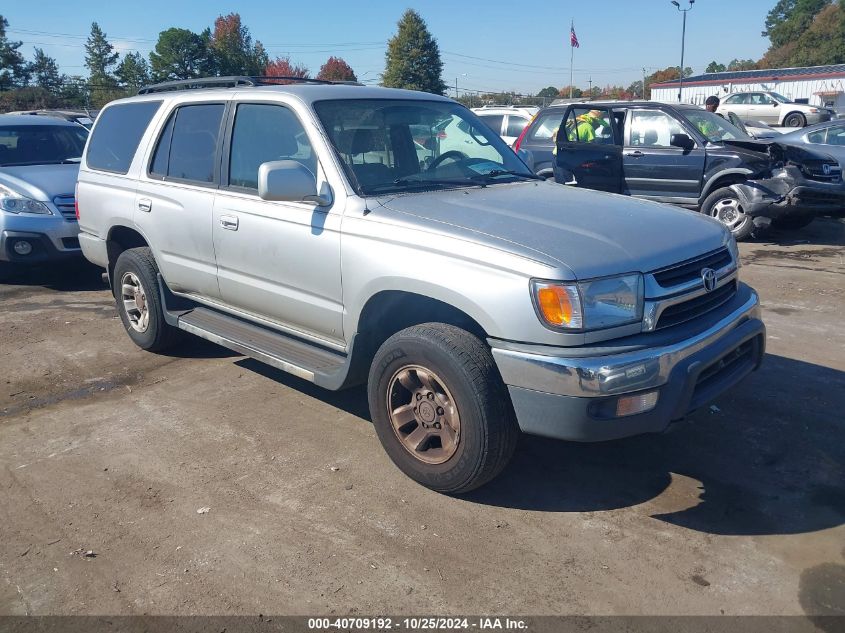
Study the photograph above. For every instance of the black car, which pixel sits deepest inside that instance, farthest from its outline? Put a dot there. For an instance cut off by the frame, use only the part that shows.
(684, 155)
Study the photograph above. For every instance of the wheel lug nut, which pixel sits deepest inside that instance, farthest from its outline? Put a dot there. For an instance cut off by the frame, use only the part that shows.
(419, 396)
(429, 395)
(440, 411)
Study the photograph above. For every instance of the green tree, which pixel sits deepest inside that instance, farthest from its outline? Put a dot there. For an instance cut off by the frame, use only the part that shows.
(714, 67)
(549, 91)
(14, 71)
(100, 58)
(412, 59)
(45, 72)
(577, 93)
(635, 89)
(336, 69)
(790, 18)
(742, 64)
(232, 49)
(133, 71)
(181, 54)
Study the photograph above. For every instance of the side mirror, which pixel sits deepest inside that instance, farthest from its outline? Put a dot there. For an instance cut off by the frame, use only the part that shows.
(776, 104)
(527, 158)
(289, 181)
(681, 140)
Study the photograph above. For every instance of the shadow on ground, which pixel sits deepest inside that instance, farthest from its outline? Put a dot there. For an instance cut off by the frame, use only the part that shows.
(767, 460)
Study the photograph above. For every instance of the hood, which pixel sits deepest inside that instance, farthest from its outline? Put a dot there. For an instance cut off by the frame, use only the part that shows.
(593, 234)
(40, 182)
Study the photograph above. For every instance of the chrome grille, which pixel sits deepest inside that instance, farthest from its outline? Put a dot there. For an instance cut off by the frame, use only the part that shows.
(691, 268)
(688, 310)
(67, 206)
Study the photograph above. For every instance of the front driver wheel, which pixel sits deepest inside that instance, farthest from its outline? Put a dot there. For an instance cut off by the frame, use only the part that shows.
(724, 205)
(795, 119)
(440, 408)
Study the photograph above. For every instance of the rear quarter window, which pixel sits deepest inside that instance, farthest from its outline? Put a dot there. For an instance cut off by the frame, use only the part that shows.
(115, 138)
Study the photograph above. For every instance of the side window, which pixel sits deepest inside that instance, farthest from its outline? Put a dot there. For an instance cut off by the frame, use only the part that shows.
(515, 125)
(494, 121)
(653, 129)
(819, 136)
(264, 133)
(836, 135)
(735, 100)
(585, 125)
(187, 147)
(116, 136)
(546, 126)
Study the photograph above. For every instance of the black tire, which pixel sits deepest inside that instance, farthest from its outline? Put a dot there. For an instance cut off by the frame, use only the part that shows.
(488, 429)
(157, 336)
(792, 222)
(712, 206)
(795, 119)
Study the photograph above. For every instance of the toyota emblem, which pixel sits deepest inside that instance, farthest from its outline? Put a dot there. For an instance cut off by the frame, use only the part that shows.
(708, 276)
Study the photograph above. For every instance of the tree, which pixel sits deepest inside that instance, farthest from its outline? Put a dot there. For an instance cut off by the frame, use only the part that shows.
(790, 18)
(100, 58)
(133, 72)
(713, 67)
(232, 49)
(45, 72)
(742, 64)
(550, 91)
(564, 92)
(13, 68)
(282, 67)
(636, 90)
(412, 59)
(336, 69)
(181, 54)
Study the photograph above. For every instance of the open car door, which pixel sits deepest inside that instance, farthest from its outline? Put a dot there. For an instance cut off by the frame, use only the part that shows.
(589, 149)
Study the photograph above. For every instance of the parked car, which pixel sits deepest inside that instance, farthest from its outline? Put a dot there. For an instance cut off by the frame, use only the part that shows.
(684, 155)
(39, 161)
(538, 139)
(828, 137)
(773, 108)
(295, 224)
(84, 118)
(756, 129)
(506, 121)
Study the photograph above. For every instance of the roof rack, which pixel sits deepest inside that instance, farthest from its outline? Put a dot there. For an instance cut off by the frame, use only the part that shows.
(235, 82)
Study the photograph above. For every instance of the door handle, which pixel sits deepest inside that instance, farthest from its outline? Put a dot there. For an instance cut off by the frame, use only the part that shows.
(145, 205)
(636, 153)
(229, 222)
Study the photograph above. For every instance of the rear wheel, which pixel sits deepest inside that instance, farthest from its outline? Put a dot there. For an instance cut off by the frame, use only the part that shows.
(440, 408)
(795, 119)
(138, 300)
(792, 222)
(724, 205)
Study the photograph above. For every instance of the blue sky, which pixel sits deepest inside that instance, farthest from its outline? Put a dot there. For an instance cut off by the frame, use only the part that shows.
(491, 45)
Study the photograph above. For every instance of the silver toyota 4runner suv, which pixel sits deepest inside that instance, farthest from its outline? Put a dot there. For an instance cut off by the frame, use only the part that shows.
(320, 229)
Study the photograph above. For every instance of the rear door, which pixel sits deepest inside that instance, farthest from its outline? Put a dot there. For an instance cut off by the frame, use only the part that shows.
(514, 124)
(655, 169)
(540, 139)
(589, 149)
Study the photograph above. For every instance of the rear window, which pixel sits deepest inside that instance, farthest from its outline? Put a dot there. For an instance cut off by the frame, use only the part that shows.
(494, 121)
(118, 131)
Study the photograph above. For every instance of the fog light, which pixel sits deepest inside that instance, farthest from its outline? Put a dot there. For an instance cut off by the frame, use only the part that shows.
(640, 403)
(22, 247)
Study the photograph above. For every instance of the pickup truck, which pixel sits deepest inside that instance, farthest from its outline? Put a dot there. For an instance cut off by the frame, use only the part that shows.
(315, 227)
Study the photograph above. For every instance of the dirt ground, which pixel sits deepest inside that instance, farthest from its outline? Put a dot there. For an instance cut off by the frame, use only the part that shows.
(109, 449)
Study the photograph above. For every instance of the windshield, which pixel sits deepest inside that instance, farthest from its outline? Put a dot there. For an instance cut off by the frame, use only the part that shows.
(714, 127)
(41, 144)
(391, 145)
(779, 97)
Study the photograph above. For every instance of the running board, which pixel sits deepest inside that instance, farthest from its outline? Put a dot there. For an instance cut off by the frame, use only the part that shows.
(304, 360)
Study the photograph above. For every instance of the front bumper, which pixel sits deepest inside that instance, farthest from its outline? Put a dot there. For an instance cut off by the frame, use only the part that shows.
(52, 237)
(775, 198)
(573, 397)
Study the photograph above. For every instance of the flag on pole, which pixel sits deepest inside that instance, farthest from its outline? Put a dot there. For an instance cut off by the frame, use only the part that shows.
(573, 39)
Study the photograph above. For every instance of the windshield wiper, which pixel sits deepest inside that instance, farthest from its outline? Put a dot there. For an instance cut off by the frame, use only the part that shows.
(424, 183)
(508, 172)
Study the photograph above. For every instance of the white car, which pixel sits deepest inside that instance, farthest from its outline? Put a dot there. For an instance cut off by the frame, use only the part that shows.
(771, 108)
(507, 121)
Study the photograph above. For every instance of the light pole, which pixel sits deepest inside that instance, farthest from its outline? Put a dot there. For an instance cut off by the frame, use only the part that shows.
(456, 85)
(683, 37)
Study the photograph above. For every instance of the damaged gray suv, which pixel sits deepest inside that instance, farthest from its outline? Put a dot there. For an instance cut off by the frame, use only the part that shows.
(335, 232)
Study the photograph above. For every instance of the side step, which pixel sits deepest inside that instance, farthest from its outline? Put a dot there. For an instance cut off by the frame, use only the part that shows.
(309, 362)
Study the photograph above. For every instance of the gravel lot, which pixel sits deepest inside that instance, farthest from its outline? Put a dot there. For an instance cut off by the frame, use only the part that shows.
(109, 449)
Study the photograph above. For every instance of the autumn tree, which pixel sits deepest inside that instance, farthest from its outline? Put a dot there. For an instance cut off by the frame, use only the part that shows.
(822, 42)
(790, 18)
(336, 69)
(233, 50)
(564, 92)
(412, 60)
(282, 67)
(13, 68)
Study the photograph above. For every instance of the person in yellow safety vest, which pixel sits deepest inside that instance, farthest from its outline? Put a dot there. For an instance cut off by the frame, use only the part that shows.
(584, 129)
(707, 128)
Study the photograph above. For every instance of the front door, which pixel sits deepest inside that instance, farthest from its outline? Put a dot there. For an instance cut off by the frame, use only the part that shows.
(653, 168)
(589, 150)
(276, 260)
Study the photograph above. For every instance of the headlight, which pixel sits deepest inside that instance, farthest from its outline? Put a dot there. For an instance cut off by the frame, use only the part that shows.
(814, 110)
(13, 202)
(589, 305)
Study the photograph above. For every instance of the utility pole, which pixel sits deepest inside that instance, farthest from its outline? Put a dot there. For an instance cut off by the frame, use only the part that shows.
(683, 38)
(643, 95)
(590, 81)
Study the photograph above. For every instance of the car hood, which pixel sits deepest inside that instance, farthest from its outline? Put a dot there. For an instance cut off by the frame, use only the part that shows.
(40, 182)
(593, 234)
